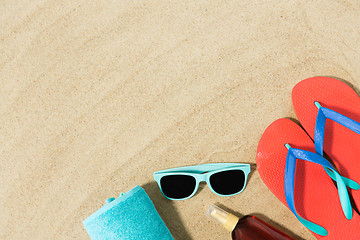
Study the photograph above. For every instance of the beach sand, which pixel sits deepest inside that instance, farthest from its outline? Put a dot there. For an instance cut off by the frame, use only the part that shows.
(96, 96)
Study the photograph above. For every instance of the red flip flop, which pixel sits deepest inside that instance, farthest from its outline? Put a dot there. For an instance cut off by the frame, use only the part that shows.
(339, 138)
(290, 168)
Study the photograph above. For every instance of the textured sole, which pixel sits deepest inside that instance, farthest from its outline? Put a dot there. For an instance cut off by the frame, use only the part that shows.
(316, 197)
(340, 144)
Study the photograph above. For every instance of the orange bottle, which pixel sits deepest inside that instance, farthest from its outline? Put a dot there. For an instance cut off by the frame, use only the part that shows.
(247, 228)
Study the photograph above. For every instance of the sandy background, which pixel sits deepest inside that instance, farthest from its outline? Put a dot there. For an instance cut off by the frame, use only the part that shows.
(96, 96)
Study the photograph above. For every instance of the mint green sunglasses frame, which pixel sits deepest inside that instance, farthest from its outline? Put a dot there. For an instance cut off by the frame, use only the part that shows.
(202, 173)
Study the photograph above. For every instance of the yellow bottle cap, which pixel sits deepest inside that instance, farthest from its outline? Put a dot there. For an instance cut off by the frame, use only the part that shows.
(228, 220)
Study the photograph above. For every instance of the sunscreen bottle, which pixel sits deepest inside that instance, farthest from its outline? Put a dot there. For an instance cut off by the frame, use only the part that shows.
(245, 228)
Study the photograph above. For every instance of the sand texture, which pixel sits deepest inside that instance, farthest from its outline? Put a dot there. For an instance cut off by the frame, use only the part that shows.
(95, 96)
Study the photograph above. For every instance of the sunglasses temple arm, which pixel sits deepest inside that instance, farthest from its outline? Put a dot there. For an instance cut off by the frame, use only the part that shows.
(204, 167)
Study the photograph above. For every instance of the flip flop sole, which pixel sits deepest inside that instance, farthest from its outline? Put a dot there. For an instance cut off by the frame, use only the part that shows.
(316, 197)
(340, 143)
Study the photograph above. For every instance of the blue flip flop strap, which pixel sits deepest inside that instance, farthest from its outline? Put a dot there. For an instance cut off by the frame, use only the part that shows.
(292, 156)
(326, 113)
(323, 114)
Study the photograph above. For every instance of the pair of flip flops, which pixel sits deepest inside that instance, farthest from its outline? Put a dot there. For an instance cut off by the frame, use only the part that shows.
(293, 162)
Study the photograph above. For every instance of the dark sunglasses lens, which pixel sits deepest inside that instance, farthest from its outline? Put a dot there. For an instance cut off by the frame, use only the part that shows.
(177, 186)
(228, 182)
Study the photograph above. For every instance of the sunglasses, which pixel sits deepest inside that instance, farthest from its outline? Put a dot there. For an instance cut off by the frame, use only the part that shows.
(224, 179)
